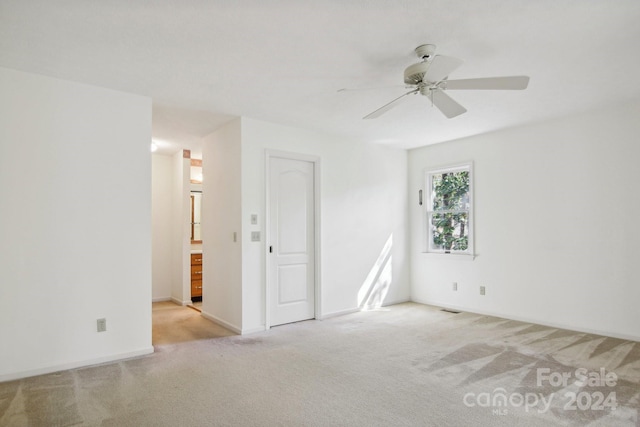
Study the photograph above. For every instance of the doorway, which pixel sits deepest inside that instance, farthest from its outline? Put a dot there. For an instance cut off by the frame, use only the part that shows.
(195, 218)
(293, 251)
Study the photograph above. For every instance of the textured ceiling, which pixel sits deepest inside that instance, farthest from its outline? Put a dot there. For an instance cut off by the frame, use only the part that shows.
(205, 62)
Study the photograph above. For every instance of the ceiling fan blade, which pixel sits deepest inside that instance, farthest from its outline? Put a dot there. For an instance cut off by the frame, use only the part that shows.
(380, 111)
(489, 83)
(357, 89)
(446, 104)
(440, 68)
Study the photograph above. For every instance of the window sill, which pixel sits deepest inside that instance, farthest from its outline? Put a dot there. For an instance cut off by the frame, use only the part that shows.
(443, 255)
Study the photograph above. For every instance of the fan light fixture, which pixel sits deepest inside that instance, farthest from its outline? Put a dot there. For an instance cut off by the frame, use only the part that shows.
(431, 78)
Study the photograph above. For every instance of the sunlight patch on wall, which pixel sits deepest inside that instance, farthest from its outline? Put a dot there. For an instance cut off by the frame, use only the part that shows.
(376, 286)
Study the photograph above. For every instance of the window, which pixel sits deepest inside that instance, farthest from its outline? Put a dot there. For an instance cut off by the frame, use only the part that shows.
(449, 210)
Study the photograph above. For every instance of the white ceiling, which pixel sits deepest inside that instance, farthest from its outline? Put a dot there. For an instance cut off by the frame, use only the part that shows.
(205, 62)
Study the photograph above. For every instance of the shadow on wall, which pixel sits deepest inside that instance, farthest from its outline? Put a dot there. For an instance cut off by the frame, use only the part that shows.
(376, 285)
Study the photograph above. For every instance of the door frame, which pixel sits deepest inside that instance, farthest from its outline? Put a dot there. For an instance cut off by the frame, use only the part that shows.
(270, 154)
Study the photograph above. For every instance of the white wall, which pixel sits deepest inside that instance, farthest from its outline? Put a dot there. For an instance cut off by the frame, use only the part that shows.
(221, 216)
(180, 227)
(162, 226)
(363, 205)
(556, 224)
(171, 228)
(75, 224)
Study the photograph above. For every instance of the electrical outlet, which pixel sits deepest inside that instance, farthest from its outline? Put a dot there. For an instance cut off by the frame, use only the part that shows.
(455, 286)
(255, 236)
(482, 290)
(102, 325)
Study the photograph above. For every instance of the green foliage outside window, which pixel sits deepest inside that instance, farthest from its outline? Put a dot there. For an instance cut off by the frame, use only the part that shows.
(449, 217)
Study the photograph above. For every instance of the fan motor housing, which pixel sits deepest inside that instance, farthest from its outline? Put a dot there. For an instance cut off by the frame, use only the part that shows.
(425, 51)
(414, 74)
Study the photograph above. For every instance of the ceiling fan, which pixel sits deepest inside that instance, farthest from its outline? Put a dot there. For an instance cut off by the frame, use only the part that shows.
(431, 78)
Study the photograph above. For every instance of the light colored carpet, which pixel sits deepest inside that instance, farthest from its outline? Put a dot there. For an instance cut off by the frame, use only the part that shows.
(407, 365)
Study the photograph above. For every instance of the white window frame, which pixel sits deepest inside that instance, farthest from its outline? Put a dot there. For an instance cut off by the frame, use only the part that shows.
(427, 206)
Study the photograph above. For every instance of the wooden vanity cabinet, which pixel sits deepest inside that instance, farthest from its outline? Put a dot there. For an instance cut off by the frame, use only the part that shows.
(196, 275)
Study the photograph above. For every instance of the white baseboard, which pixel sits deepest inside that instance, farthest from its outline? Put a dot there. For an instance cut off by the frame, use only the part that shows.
(527, 320)
(394, 302)
(231, 327)
(254, 330)
(74, 365)
(356, 309)
(177, 301)
(338, 313)
(221, 322)
(161, 299)
(321, 317)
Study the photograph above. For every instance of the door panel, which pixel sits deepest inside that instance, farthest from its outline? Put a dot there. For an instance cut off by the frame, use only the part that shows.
(292, 233)
(289, 276)
(292, 213)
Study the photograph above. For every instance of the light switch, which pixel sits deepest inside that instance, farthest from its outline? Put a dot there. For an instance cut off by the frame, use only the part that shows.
(255, 236)
(254, 219)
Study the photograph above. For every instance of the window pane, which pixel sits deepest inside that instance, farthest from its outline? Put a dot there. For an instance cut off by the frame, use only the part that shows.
(449, 231)
(450, 191)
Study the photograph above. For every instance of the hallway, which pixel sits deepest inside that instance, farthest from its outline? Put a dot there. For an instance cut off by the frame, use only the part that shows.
(174, 324)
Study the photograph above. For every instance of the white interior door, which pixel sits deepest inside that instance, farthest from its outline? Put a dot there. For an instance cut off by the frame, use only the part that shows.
(292, 240)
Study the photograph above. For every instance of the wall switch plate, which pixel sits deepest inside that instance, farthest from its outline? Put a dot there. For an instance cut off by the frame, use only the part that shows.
(455, 286)
(254, 219)
(102, 325)
(255, 236)
(482, 290)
